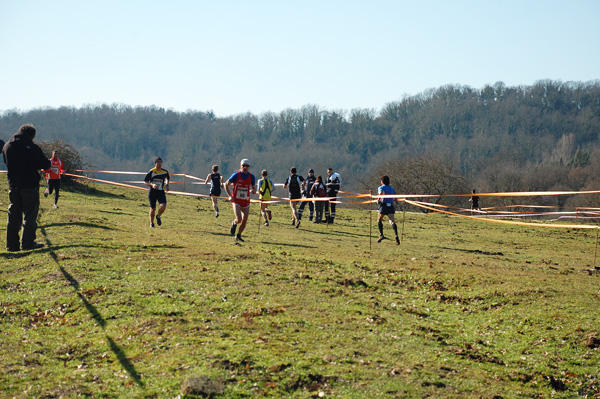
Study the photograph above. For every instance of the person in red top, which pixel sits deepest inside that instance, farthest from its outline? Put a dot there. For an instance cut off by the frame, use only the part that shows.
(53, 176)
(243, 183)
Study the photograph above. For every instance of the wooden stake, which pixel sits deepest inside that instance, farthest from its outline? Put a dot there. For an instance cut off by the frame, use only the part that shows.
(370, 216)
(259, 215)
(403, 218)
(596, 252)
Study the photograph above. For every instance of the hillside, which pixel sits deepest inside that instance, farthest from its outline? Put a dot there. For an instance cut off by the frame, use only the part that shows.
(482, 131)
(113, 309)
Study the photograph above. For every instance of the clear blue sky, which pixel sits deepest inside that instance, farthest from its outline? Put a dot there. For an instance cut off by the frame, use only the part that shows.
(238, 56)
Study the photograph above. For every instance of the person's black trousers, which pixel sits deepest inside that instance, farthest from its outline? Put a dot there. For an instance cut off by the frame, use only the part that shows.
(22, 212)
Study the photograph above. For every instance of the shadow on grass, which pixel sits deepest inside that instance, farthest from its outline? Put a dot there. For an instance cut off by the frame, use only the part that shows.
(125, 362)
(82, 224)
(288, 244)
(472, 251)
(91, 191)
(115, 213)
(330, 232)
(115, 348)
(50, 250)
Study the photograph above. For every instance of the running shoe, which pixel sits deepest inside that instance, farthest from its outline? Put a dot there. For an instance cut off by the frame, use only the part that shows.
(381, 238)
(46, 193)
(298, 224)
(152, 225)
(158, 220)
(267, 224)
(397, 241)
(232, 229)
(239, 238)
(55, 206)
(217, 214)
(269, 213)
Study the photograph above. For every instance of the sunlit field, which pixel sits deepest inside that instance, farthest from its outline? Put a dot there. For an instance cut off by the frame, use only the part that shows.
(111, 308)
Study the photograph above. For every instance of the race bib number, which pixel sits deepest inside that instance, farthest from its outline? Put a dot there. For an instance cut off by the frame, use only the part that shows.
(241, 193)
(54, 169)
(159, 184)
(388, 204)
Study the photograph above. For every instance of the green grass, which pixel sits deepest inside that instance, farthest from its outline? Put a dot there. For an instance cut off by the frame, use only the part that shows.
(113, 309)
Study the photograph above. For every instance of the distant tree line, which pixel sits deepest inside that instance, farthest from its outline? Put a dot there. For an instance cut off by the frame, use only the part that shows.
(498, 138)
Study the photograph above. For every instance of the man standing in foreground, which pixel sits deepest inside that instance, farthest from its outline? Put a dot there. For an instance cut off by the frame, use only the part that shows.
(53, 176)
(243, 183)
(23, 160)
(333, 183)
(158, 181)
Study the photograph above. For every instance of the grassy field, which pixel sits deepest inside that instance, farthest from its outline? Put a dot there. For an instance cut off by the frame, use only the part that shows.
(462, 309)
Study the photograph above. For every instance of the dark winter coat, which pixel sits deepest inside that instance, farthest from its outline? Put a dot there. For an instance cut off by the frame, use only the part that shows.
(24, 159)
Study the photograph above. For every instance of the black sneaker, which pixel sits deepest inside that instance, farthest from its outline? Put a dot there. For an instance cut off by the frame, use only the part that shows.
(16, 249)
(397, 241)
(269, 213)
(217, 214)
(267, 224)
(151, 225)
(158, 220)
(46, 193)
(298, 224)
(35, 245)
(239, 238)
(381, 238)
(293, 222)
(232, 229)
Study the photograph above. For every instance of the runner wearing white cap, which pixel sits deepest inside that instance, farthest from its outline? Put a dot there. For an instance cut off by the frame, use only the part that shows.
(238, 187)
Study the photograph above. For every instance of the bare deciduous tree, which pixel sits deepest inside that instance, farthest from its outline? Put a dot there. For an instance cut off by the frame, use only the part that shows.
(422, 175)
(70, 157)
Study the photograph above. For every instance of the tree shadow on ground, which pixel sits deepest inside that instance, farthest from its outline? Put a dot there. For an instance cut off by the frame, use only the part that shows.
(115, 213)
(81, 224)
(284, 244)
(83, 188)
(471, 251)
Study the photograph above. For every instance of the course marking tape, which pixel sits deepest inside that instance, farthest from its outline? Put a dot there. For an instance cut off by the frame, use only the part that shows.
(569, 226)
(485, 215)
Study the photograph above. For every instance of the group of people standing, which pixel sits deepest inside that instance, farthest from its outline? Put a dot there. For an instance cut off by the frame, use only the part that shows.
(303, 190)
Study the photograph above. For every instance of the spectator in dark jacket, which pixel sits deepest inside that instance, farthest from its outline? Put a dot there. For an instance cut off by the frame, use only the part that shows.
(24, 159)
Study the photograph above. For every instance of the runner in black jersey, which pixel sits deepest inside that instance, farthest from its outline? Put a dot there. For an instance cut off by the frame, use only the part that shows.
(216, 182)
(306, 188)
(158, 181)
(294, 183)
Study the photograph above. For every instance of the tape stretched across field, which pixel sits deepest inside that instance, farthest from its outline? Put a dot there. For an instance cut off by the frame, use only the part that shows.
(488, 214)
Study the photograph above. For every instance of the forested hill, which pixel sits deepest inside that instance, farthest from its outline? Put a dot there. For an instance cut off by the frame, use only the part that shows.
(551, 122)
